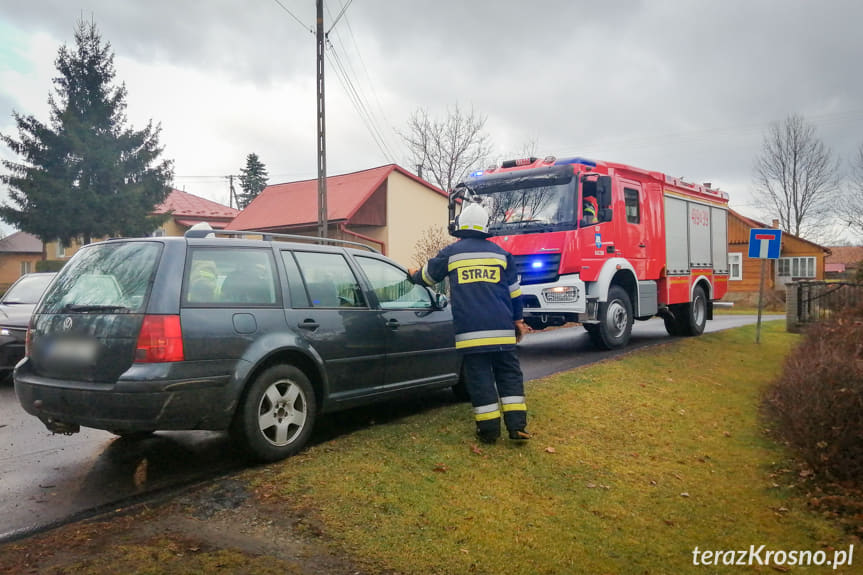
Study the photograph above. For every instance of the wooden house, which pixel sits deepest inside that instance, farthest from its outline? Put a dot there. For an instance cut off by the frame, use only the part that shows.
(799, 259)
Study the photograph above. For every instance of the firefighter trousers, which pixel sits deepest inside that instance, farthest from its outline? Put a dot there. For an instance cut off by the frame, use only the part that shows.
(495, 384)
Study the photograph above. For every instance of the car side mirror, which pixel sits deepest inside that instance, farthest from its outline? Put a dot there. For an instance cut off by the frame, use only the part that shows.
(440, 301)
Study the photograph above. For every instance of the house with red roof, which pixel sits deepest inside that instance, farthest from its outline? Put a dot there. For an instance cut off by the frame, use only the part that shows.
(387, 208)
(844, 262)
(186, 210)
(19, 253)
(799, 259)
(183, 209)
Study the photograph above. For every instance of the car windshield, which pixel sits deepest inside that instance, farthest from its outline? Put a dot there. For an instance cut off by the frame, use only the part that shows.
(112, 277)
(28, 289)
(544, 208)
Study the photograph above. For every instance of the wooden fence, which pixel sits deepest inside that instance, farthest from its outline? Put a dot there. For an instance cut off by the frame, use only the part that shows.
(811, 301)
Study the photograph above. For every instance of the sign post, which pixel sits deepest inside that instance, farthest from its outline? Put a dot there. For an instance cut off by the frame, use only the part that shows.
(764, 244)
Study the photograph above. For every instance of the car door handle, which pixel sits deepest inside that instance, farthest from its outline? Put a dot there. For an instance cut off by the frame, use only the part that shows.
(309, 324)
(393, 323)
(642, 245)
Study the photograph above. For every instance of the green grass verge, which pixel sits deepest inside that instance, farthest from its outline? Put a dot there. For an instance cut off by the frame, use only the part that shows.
(634, 463)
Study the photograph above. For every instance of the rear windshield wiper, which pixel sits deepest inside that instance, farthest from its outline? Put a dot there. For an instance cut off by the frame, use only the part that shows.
(89, 308)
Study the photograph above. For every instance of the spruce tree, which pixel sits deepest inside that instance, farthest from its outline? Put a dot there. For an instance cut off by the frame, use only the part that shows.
(85, 174)
(253, 180)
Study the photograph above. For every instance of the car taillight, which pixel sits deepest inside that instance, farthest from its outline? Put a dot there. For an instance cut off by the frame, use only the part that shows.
(160, 340)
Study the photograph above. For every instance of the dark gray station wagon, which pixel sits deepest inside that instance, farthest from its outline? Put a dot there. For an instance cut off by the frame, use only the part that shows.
(255, 336)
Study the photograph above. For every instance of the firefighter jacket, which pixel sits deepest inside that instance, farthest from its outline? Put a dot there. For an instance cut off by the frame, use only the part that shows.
(486, 295)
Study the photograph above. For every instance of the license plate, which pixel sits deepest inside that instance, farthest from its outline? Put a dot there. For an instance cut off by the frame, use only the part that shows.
(72, 351)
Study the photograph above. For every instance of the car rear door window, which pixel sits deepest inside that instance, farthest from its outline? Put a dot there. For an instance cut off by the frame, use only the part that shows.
(230, 277)
(329, 280)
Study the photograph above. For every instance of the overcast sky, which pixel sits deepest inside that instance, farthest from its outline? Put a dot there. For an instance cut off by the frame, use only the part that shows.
(680, 86)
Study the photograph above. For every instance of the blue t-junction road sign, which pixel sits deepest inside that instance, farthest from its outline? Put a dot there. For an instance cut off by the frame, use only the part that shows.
(765, 243)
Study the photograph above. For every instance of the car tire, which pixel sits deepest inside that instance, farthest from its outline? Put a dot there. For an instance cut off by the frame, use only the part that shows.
(277, 413)
(615, 320)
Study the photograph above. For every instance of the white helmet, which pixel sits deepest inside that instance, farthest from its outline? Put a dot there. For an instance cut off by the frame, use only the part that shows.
(473, 218)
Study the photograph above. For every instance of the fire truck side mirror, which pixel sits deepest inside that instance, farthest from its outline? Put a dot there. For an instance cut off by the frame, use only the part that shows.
(603, 194)
(605, 214)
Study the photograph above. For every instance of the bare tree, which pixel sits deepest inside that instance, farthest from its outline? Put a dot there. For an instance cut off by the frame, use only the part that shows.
(433, 240)
(445, 150)
(796, 178)
(851, 206)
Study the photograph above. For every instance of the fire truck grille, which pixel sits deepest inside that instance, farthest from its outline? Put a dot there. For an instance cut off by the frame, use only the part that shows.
(537, 268)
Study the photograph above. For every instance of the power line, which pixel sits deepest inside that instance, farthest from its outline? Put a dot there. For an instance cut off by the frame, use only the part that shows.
(354, 88)
(358, 102)
(300, 22)
(368, 79)
(339, 17)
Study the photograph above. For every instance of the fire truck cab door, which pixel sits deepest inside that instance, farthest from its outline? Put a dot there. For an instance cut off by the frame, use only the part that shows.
(632, 223)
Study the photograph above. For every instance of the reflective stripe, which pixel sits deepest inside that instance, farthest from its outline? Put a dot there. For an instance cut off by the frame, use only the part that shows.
(487, 416)
(515, 407)
(487, 408)
(486, 412)
(488, 337)
(476, 259)
(426, 277)
(474, 227)
(513, 403)
(515, 293)
(513, 288)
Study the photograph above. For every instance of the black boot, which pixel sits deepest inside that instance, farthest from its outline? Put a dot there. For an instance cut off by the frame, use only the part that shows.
(488, 431)
(519, 434)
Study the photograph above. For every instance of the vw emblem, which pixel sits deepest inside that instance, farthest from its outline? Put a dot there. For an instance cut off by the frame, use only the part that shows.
(67, 324)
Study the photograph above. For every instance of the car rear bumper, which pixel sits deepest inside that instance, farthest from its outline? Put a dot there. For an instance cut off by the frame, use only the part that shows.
(136, 405)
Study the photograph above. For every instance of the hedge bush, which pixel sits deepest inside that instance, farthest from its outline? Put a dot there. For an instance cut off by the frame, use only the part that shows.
(817, 404)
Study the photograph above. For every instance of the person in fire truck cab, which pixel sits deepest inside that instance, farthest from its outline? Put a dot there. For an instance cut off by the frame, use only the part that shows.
(589, 209)
(487, 315)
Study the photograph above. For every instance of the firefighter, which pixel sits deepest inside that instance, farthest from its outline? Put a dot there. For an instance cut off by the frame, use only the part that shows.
(589, 209)
(487, 314)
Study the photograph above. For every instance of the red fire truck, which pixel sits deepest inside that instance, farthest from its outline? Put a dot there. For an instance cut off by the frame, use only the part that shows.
(656, 246)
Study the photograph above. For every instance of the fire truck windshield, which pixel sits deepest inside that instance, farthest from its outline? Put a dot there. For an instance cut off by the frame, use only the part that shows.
(543, 208)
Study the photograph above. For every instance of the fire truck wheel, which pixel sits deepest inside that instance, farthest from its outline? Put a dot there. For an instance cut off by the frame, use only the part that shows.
(672, 325)
(615, 320)
(695, 313)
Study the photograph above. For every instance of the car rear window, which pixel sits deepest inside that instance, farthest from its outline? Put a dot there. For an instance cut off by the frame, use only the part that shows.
(28, 289)
(112, 277)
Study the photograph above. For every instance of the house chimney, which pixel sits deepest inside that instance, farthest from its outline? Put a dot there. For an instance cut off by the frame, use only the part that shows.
(776, 223)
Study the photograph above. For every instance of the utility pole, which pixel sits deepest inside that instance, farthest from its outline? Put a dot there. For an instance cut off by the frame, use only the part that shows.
(233, 196)
(323, 217)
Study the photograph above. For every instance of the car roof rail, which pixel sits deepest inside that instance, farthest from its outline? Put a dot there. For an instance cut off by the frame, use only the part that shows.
(269, 236)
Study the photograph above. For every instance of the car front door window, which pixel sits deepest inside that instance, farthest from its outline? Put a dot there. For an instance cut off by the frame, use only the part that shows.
(391, 286)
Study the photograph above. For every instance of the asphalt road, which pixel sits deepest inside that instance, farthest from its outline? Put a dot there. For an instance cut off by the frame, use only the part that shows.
(48, 479)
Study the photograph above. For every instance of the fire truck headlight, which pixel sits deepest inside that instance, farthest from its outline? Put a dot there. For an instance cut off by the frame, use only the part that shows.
(536, 264)
(561, 294)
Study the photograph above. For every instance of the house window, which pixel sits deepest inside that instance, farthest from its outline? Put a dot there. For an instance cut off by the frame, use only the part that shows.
(799, 267)
(633, 210)
(26, 267)
(735, 266)
(61, 250)
(159, 233)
